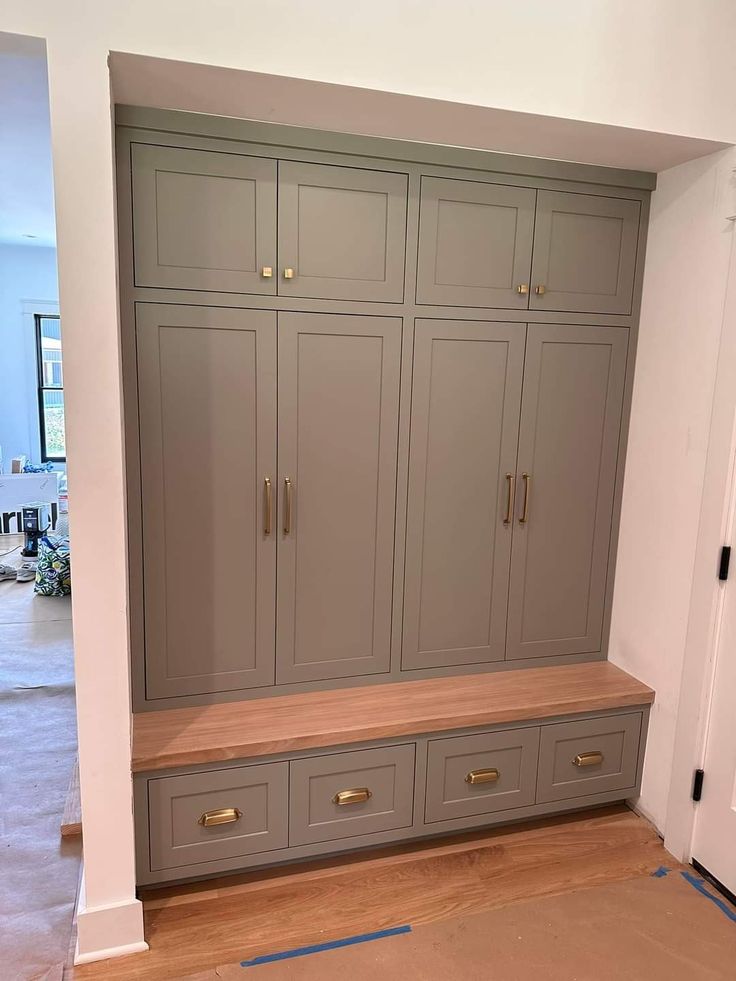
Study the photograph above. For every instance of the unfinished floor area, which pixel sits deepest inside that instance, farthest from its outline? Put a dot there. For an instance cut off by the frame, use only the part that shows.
(40, 870)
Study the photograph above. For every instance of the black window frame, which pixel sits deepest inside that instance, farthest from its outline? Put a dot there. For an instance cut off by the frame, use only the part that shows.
(41, 388)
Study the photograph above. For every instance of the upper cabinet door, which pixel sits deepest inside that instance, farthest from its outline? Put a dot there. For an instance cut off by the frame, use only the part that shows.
(475, 244)
(584, 253)
(207, 410)
(568, 451)
(342, 232)
(204, 220)
(466, 396)
(338, 422)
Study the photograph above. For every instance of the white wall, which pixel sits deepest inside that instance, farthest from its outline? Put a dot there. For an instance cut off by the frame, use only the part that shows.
(663, 65)
(28, 284)
(682, 311)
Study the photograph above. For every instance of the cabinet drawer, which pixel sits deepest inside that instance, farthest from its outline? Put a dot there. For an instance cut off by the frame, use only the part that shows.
(592, 756)
(347, 794)
(468, 775)
(220, 814)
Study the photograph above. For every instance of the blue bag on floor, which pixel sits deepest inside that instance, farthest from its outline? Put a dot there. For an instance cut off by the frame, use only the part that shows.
(54, 568)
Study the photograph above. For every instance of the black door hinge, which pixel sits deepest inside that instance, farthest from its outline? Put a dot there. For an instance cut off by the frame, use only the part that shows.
(698, 785)
(724, 563)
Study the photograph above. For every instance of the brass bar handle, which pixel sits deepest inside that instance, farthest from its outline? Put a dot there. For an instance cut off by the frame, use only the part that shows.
(527, 478)
(287, 505)
(267, 506)
(224, 815)
(522, 289)
(357, 796)
(490, 775)
(588, 759)
(510, 488)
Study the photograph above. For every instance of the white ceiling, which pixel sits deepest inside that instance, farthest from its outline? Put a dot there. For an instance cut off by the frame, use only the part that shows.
(26, 180)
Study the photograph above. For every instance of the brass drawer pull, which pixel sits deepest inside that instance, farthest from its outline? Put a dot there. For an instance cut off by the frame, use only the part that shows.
(267, 272)
(510, 481)
(225, 815)
(588, 759)
(527, 478)
(267, 506)
(482, 776)
(358, 796)
(288, 273)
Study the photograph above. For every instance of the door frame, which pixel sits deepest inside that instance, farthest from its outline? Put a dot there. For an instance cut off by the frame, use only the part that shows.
(707, 597)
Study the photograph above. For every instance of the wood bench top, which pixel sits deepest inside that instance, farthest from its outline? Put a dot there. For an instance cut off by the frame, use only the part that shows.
(287, 723)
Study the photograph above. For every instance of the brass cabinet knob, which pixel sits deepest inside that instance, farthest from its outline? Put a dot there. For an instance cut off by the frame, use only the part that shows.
(224, 815)
(522, 289)
(267, 272)
(358, 796)
(288, 273)
(540, 290)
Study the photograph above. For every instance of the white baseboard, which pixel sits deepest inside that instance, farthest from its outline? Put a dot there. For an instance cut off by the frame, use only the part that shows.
(108, 931)
(103, 955)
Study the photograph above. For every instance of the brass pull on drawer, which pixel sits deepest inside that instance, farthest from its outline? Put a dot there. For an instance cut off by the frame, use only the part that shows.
(224, 815)
(357, 796)
(482, 776)
(588, 759)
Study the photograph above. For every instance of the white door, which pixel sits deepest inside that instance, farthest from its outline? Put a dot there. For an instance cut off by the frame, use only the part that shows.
(714, 840)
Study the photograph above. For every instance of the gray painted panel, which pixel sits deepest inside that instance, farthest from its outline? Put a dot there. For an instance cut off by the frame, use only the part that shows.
(388, 775)
(177, 805)
(338, 417)
(450, 795)
(584, 252)
(207, 417)
(465, 418)
(342, 231)
(615, 738)
(203, 220)
(568, 444)
(475, 243)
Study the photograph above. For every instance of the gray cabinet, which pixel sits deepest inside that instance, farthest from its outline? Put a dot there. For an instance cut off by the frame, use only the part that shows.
(203, 220)
(475, 243)
(567, 460)
(342, 232)
(466, 394)
(207, 418)
(584, 253)
(338, 426)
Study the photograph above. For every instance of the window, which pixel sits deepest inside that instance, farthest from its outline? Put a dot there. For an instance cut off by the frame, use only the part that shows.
(50, 388)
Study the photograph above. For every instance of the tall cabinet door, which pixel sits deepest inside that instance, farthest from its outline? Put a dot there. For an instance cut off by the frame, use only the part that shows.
(207, 404)
(342, 232)
(466, 396)
(475, 243)
(568, 450)
(338, 422)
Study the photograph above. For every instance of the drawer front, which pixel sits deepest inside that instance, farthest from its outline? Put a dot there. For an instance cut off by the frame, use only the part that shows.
(351, 794)
(592, 756)
(468, 775)
(221, 814)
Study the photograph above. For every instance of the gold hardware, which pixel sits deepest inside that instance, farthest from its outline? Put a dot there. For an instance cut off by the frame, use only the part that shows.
(540, 290)
(287, 505)
(510, 480)
(522, 289)
(267, 272)
(288, 273)
(225, 815)
(587, 759)
(267, 505)
(358, 796)
(527, 486)
(482, 776)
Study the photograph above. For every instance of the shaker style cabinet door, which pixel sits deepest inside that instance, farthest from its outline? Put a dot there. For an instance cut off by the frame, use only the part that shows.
(584, 253)
(568, 450)
(338, 422)
(207, 416)
(342, 232)
(466, 395)
(475, 243)
(203, 220)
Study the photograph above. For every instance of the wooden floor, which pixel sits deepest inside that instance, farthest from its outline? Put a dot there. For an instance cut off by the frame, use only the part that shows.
(192, 928)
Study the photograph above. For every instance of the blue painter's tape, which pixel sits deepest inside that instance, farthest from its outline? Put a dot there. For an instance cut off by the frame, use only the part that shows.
(661, 872)
(286, 955)
(722, 905)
